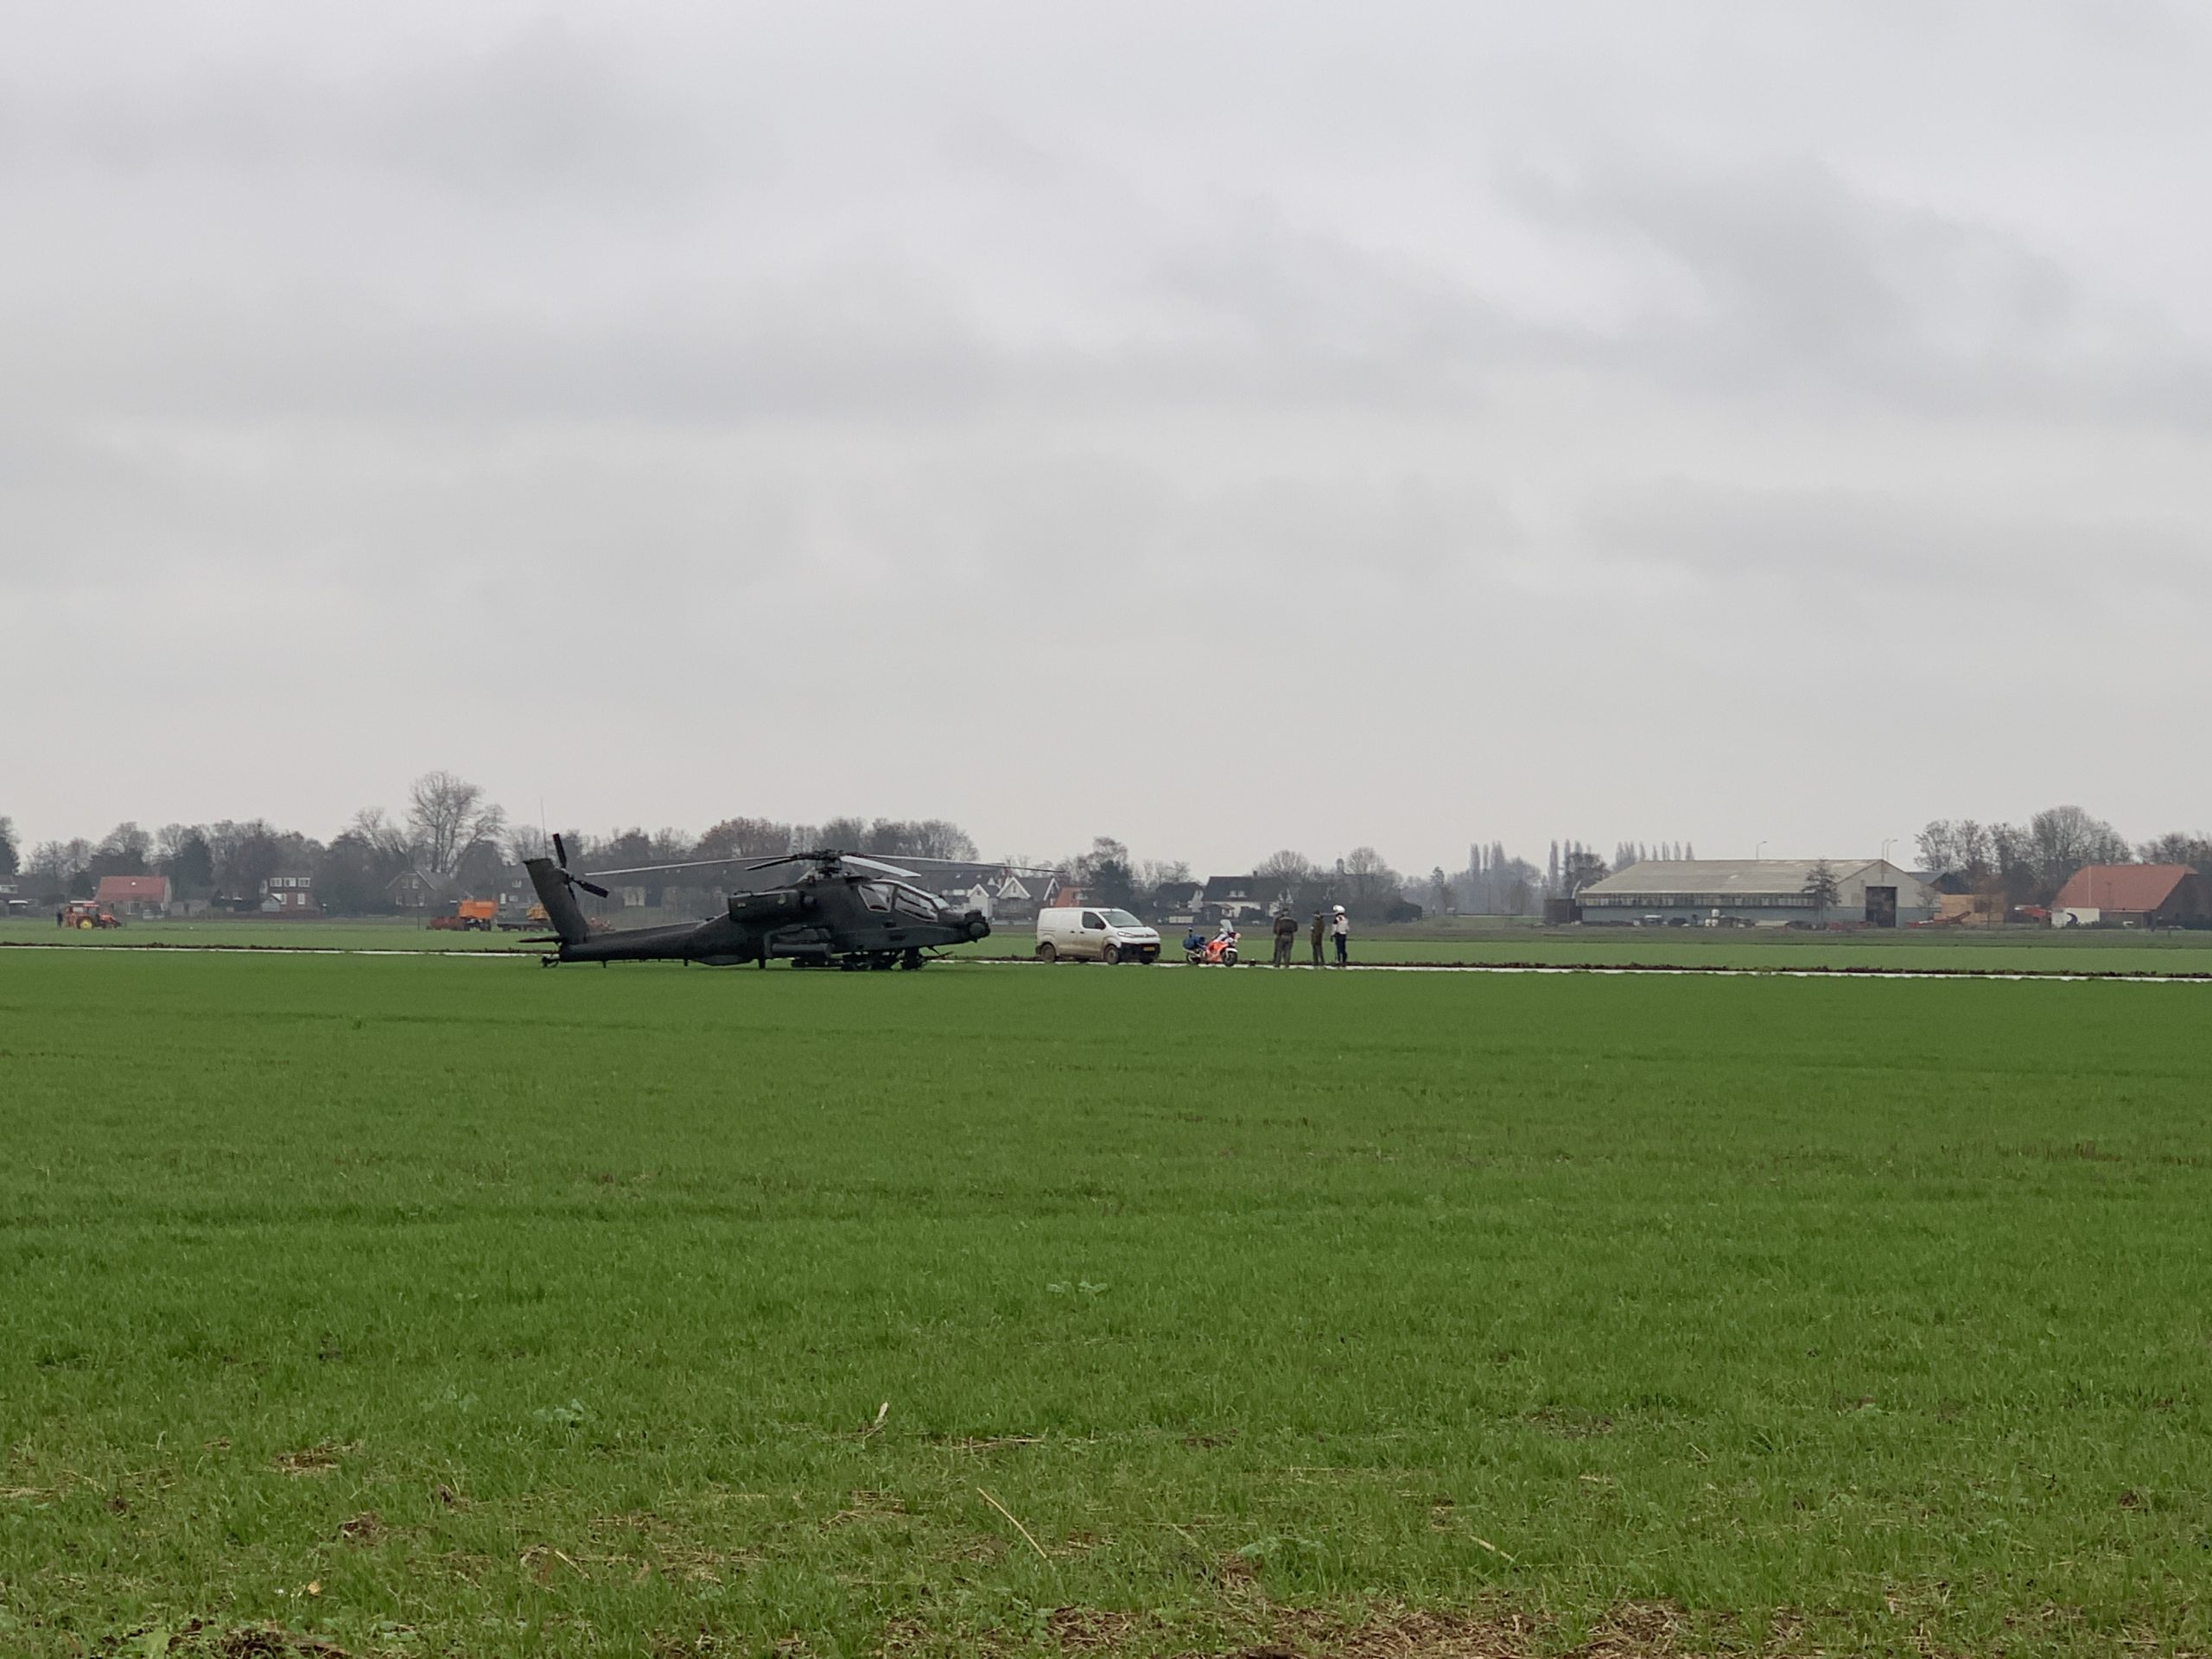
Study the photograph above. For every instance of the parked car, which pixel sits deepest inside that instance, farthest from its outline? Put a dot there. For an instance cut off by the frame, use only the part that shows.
(1093, 933)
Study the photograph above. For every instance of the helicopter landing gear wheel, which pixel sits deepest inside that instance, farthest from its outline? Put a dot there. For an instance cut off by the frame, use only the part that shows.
(1046, 954)
(911, 960)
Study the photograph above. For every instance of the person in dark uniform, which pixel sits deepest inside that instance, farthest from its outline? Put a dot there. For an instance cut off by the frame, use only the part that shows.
(1286, 936)
(1315, 933)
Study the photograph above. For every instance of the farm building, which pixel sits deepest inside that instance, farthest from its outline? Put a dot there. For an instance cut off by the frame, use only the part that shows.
(2133, 896)
(134, 895)
(1757, 892)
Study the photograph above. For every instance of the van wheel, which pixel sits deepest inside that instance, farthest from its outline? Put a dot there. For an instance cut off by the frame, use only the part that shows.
(1111, 954)
(1045, 953)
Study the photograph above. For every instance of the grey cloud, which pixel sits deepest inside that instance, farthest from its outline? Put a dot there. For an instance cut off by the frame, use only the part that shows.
(1834, 546)
(1790, 282)
(1417, 360)
(536, 116)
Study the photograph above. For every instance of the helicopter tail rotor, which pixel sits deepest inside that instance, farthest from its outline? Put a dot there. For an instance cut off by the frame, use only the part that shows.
(561, 849)
(557, 886)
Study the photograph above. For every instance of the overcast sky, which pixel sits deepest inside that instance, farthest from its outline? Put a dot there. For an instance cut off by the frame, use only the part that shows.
(1220, 426)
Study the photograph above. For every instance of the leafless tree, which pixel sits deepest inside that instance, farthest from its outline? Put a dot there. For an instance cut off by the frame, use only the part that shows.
(445, 816)
(1821, 888)
(1371, 880)
(1153, 874)
(746, 838)
(1291, 878)
(2064, 838)
(2175, 847)
(527, 840)
(1956, 846)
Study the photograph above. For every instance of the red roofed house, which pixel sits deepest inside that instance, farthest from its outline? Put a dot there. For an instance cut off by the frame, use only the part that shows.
(2133, 896)
(134, 895)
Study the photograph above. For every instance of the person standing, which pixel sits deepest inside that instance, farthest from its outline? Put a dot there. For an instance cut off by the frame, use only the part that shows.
(1286, 936)
(1341, 926)
(1319, 931)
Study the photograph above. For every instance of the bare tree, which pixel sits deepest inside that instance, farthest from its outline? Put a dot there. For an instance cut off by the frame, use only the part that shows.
(1956, 846)
(1821, 888)
(2175, 848)
(124, 851)
(2064, 838)
(1153, 874)
(746, 838)
(447, 815)
(1372, 883)
(941, 838)
(1290, 878)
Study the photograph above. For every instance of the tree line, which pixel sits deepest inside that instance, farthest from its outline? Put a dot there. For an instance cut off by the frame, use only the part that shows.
(2028, 863)
(449, 828)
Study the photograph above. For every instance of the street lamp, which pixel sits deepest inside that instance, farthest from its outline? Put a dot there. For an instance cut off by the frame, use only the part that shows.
(1758, 851)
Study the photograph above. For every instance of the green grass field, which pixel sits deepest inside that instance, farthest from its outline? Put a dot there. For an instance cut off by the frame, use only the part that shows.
(437, 1305)
(1461, 940)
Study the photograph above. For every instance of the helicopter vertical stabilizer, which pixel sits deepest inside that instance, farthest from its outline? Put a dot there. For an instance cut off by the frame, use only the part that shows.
(560, 907)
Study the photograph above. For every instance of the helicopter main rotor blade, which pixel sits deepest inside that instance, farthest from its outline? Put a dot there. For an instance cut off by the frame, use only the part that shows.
(878, 864)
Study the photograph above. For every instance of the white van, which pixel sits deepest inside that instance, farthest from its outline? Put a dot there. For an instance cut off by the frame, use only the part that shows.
(1094, 934)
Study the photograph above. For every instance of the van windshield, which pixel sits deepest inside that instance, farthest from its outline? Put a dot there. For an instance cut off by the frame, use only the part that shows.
(1120, 918)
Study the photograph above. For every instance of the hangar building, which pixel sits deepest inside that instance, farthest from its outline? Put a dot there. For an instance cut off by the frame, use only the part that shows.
(1757, 892)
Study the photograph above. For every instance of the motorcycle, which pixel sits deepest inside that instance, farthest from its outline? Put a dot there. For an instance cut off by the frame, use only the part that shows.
(1220, 952)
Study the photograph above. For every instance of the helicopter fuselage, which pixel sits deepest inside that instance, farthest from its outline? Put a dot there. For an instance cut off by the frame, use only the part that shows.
(824, 917)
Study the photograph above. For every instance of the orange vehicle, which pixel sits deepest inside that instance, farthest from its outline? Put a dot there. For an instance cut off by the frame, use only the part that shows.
(469, 916)
(83, 912)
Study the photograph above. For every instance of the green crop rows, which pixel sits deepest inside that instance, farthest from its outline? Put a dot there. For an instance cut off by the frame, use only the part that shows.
(437, 1305)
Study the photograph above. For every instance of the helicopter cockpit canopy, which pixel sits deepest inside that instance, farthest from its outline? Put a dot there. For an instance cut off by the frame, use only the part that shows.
(897, 896)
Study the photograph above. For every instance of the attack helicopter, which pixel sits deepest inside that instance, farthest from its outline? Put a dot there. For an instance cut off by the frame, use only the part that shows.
(841, 908)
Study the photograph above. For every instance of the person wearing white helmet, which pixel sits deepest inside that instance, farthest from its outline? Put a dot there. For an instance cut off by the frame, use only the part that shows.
(1340, 927)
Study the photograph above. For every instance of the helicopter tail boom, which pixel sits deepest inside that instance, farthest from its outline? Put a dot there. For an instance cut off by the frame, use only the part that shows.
(560, 907)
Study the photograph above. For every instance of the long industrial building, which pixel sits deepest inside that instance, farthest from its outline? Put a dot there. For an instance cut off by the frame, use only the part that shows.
(1756, 892)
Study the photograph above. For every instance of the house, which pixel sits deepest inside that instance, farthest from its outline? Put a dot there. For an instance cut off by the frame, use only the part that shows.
(421, 893)
(134, 895)
(1018, 894)
(1175, 904)
(1759, 892)
(1242, 898)
(2133, 896)
(289, 895)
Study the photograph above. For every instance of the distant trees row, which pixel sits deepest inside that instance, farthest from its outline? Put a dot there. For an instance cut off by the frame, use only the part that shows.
(2029, 863)
(448, 828)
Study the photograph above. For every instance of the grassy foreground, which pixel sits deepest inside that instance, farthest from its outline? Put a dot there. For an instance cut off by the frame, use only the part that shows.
(435, 1305)
(2020, 950)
